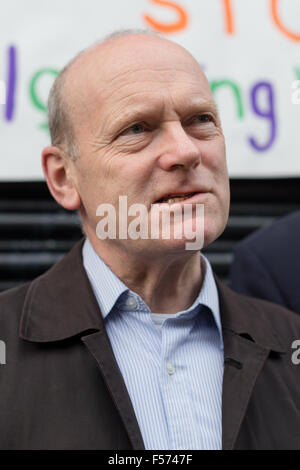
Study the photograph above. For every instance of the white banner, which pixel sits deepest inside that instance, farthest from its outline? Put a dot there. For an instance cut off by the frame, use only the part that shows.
(249, 49)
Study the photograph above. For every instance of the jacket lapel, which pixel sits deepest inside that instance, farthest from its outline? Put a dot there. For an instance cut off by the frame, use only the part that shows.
(243, 361)
(248, 339)
(99, 346)
(61, 304)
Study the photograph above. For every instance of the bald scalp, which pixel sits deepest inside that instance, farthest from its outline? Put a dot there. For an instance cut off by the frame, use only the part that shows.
(74, 87)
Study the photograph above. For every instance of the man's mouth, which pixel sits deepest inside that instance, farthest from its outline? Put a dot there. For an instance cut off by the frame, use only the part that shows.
(172, 198)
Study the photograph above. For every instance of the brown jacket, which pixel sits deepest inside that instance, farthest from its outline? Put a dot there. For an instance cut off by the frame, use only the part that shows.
(61, 387)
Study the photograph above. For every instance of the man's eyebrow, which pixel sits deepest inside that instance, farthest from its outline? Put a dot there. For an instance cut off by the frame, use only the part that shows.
(200, 106)
(204, 105)
(134, 113)
(144, 110)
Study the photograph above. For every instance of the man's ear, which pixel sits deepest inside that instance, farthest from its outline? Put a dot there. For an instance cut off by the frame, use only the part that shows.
(57, 170)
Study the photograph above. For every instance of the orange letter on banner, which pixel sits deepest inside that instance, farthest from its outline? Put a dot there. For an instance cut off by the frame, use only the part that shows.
(228, 16)
(180, 24)
(289, 34)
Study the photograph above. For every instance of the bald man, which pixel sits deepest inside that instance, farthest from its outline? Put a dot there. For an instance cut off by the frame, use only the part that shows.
(131, 342)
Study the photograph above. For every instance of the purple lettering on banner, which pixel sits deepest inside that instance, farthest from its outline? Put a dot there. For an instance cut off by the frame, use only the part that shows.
(11, 83)
(268, 113)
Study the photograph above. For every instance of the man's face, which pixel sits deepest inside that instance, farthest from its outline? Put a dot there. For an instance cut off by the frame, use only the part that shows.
(147, 127)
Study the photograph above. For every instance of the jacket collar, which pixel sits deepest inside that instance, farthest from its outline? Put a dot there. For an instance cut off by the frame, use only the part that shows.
(61, 304)
(245, 316)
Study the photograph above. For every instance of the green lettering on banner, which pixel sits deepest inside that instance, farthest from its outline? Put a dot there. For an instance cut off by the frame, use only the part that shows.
(37, 102)
(216, 84)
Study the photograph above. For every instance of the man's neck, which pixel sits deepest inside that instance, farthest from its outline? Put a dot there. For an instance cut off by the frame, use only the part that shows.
(167, 284)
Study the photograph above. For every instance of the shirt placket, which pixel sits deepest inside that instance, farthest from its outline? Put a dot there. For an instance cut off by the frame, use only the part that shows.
(179, 409)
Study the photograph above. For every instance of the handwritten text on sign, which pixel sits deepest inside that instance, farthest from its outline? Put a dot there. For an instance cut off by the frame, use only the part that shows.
(250, 54)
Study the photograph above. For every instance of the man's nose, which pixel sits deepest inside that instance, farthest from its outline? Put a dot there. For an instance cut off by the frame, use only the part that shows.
(178, 149)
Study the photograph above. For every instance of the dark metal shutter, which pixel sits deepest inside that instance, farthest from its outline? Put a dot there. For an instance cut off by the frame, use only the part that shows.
(35, 232)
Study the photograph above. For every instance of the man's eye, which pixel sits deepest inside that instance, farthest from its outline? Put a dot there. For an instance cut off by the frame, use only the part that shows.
(134, 129)
(203, 118)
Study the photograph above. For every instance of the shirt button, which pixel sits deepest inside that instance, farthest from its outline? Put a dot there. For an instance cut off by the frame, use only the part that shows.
(170, 368)
(131, 302)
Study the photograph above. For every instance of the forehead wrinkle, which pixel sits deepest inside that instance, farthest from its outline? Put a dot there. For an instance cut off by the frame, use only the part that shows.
(152, 77)
(122, 95)
(154, 69)
(128, 90)
(172, 88)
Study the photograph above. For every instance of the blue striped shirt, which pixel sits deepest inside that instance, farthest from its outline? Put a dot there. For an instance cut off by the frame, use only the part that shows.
(172, 364)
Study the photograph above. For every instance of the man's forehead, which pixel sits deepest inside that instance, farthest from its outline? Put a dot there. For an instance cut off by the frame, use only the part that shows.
(118, 57)
(108, 70)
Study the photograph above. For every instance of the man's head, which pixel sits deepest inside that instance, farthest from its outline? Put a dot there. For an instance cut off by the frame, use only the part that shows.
(143, 122)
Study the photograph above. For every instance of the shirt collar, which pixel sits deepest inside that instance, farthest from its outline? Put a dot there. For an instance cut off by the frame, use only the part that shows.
(107, 287)
(60, 304)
